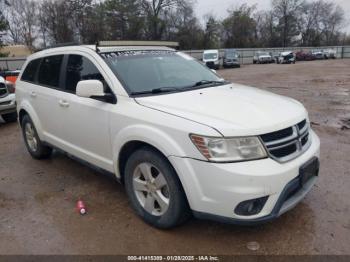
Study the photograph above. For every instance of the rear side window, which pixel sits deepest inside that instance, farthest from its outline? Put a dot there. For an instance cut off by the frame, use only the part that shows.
(49, 71)
(80, 68)
(30, 71)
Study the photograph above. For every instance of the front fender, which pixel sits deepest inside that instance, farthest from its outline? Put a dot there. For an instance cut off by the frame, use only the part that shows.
(147, 134)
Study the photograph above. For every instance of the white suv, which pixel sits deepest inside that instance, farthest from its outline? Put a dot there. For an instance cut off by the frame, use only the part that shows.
(181, 139)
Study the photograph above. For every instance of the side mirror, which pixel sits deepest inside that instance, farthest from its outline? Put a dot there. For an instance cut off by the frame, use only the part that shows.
(90, 88)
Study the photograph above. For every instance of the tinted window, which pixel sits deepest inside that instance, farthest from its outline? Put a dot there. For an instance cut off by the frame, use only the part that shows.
(80, 68)
(30, 71)
(49, 72)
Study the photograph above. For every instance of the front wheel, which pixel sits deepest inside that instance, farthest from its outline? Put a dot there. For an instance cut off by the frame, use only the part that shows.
(154, 190)
(34, 145)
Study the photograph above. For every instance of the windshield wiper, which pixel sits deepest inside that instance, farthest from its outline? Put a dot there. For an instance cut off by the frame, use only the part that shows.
(157, 91)
(178, 89)
(208, 82)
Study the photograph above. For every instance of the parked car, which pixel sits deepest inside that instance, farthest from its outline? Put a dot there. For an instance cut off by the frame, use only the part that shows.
(231, 58)
(286, 58)
(261, 57)
(305, 56)
(212, 59)
(180, 139)
(11, 76)
(7, 101)
(329, 54)
(318, 54)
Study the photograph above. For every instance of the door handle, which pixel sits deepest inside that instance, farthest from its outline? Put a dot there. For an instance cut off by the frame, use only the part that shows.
(63, 103)
(33, 94)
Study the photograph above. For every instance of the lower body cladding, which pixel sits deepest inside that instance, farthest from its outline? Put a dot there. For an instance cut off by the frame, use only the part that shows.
(231, 64)
(8, 104)
(251, 192)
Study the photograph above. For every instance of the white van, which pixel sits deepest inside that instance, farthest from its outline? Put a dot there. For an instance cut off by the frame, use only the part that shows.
(212, 59)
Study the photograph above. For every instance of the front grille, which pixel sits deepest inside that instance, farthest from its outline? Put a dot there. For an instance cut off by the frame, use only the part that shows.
(3, 90)
(5, 103)
(210, 64)
(289, 143)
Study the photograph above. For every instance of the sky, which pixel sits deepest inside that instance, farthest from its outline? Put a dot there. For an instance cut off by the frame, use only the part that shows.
(219, 7)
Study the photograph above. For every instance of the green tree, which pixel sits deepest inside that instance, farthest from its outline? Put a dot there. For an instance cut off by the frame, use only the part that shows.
(239, 28)
(183, 26)
(211, 38)
(287, 13)
(125, 19)
(3, 22)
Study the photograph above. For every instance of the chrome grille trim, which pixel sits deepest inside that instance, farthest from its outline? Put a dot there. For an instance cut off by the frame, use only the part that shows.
(286, 139)
(290, 146)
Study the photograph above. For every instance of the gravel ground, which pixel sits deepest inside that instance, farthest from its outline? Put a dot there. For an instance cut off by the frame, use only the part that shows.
(37, 198)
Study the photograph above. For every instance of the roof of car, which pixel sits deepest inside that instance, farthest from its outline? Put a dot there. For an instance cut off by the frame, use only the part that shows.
(93, 48)
(286, 53)
(211, 51)
(109, 48)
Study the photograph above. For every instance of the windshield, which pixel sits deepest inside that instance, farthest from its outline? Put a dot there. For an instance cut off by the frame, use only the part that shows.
(208, 56)
(145, 71)
(231, 54)
(263, 53)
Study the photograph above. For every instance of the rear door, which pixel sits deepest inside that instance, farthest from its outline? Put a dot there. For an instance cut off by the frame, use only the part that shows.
(45, 96)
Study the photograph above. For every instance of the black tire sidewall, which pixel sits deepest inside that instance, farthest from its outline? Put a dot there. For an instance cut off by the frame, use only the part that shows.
(178, 207)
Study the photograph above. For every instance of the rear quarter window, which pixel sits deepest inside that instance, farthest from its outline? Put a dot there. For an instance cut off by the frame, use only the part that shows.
(30, 71)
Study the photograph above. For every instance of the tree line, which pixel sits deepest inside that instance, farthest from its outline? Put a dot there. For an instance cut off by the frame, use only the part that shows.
(42, 23)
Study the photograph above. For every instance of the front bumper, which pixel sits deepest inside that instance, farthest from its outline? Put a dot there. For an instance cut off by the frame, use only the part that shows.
(213, 64)
(8, 104)
(231, 63)
(214, 190)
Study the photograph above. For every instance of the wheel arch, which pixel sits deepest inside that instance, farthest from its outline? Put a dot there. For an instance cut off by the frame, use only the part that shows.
(26, 109)
(127, 150)
(135, 136)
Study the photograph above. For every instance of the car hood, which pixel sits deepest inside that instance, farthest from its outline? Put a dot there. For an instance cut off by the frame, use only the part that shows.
(233, 110)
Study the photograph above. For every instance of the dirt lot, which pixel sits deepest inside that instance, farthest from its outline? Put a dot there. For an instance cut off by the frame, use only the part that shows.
(37, 198)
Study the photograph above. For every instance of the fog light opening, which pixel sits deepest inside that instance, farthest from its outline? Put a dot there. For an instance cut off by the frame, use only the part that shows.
(251, 207)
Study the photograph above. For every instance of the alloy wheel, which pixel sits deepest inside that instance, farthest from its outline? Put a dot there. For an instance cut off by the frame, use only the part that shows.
(30, 137)
(151, 189)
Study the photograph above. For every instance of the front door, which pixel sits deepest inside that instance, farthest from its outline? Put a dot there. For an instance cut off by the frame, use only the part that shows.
(86, 120)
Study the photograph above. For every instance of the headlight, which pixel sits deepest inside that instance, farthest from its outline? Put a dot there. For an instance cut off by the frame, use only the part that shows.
(229, 149)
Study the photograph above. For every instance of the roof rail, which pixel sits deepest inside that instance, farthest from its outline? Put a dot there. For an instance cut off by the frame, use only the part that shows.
(137, 43)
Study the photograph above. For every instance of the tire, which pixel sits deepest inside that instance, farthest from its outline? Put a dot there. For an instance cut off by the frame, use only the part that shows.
(34, 145)
(10, 118)
(164, 206)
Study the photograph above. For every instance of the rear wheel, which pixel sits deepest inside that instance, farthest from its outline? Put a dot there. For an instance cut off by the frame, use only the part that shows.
(10, 118)
(154, 190)
(34, 145)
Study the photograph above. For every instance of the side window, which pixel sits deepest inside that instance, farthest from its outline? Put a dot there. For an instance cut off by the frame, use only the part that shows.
(30, 71)
(80, 68)
(49, 71)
